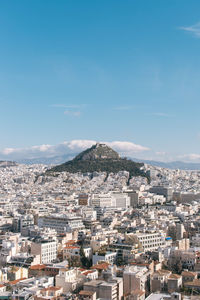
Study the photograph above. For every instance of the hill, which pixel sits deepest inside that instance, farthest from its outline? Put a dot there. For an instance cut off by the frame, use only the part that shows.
(57, 160)
(100, 158)
(98, 151)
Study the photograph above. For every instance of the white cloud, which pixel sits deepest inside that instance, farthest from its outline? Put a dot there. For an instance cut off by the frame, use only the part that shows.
(72, 113)
(127, 147)
(190, 157)
(42, 148)
(193, 29)
(68, 147)
(80, 144)
(8, 151)
(161, 114)
(73, 147)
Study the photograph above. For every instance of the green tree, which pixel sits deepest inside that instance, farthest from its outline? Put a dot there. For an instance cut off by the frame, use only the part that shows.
(87, 263)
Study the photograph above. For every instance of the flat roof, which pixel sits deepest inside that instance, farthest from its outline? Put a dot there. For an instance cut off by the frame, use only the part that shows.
(94, 282)
(158, 296)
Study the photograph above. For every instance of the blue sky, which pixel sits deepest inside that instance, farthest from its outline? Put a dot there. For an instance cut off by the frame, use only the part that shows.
(109, 70)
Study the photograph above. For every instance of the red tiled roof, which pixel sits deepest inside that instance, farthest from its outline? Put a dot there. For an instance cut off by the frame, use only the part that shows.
(140, 264)
(37, 267)
(137, 292)
(88, 272)
(16, 281)
(52, 288)
(102, 266)
(189, 273)
(70, 242)
(71, 247)
(174, 276)
(195, 282)
(86, 293)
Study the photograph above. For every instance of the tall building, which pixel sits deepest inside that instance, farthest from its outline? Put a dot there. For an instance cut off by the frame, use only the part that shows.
(22, 222)
(134, 198)
(120, 200)
(179, 231)
(46, 248)
(161, 190)
(135, 278)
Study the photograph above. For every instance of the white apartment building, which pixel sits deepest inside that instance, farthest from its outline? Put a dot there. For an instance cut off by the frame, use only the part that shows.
(70, 251)
(68, 279)
(46, 248)
(113, 199)
(89, 213)
(61, 223)
(151, 241)
(121, 200)
(101, 200)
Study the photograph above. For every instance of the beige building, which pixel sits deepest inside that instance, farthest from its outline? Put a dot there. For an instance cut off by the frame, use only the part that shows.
(3, 275)
(111, 290)
(97, 244)
(188, 276)
(194, 285)
(135, 278)
(183, 244)
(69, 280)
(135, 295)
(174, 283)
(16, 273)
(51, 291)
(159, 280)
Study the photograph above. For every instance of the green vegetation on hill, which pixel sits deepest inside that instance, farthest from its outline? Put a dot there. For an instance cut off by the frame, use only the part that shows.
(100, 158)
(100, 165)
(98, 151)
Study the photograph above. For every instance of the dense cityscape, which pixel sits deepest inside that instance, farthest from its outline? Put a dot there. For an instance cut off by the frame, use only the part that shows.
(99, 150)
(99, 235)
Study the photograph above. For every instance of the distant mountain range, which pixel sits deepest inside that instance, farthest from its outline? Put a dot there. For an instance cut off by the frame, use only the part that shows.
(100, 158)
(171, 165)
(57, 160)
(54, 160)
